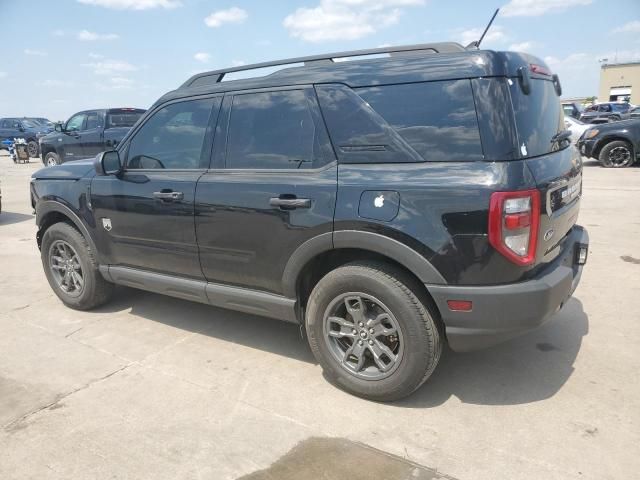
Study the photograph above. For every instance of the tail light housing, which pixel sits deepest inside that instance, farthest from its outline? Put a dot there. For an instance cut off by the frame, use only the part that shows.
(514, 222)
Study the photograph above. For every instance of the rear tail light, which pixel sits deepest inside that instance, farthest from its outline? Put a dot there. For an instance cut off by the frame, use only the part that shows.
(514, 220)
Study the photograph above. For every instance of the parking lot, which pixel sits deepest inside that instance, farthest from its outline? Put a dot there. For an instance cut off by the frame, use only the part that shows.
(155, 387)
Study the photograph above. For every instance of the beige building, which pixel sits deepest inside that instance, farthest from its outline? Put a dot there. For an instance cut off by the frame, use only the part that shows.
(620, 82)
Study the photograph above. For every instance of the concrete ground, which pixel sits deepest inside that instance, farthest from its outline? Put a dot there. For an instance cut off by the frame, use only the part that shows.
(154, 387)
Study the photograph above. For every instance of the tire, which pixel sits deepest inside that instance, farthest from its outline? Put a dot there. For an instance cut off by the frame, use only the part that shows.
(616, 154)
(95, 290)
(381, 288)
(51, 159)
(33, 148)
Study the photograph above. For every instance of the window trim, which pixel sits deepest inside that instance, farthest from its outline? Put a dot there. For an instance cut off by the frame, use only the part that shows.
(221, 147)
(123, 147)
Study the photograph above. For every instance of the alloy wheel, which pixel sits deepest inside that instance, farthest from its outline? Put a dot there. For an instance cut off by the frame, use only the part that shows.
(363, 336)
(619, 156)
(66, 268)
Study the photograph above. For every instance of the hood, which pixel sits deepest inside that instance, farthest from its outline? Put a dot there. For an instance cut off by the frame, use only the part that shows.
(619, 125)
(67, 171)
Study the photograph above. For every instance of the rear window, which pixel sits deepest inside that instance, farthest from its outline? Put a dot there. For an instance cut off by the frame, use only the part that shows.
(122, 119)
(438, 119)
(539, 116)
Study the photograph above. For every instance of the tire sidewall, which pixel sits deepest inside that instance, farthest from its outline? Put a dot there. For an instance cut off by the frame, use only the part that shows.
(51, 155)
(604, 154)
(65, 232)
(410, 372)
(37, 148)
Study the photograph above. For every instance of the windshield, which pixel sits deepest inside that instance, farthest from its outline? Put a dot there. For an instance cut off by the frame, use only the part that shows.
(122, 119)
(539, 117)
(29, 124)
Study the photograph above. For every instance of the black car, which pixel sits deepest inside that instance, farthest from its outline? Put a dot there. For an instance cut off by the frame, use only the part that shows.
(614, 145)
(87, 133)
(390, 205)
(605, 112)
(11, 128)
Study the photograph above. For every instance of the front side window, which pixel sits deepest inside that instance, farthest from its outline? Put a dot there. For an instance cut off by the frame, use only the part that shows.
(174, 137)
(76, 122)
(273, 130)
(438, 119)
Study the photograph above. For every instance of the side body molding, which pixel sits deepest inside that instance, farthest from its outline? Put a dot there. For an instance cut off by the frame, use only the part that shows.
(401, 253)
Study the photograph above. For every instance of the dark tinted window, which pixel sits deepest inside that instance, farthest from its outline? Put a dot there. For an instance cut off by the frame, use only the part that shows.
(438, 119)
(273, 130)
(122, 119)
(620, 107)
(174, 137)
(605, 108)
(93, 121)
(538, 117)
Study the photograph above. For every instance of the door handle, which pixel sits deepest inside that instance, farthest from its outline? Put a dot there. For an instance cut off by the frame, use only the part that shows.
(289, 203)
(168, 196)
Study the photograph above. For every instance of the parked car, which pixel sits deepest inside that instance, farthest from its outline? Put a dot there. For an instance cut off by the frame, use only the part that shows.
(389, 205)
(605, 112)
(87, 133)
(576, 127)
(42, 121)
(11, 128)
(614, 145)
(572, 109)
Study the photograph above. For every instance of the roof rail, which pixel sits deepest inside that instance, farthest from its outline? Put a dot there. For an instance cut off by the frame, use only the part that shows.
(216, 76)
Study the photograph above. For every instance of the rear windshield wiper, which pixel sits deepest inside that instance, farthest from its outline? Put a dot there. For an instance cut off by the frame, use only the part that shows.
(560, 136)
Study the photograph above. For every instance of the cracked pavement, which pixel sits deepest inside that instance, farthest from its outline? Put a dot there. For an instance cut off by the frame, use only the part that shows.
(154, 387)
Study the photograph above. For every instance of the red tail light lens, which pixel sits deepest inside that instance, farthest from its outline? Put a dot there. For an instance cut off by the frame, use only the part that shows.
(514, 220)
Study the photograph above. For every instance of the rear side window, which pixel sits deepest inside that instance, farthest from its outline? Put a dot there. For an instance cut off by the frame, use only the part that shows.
(122, 119)
(274, 130)
(438, 119)
(539, 117)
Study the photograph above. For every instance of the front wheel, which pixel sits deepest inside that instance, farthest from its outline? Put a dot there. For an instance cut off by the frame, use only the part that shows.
(71, 268)
(616, 154)
(51, 159)
(371, 331)
(33, 149)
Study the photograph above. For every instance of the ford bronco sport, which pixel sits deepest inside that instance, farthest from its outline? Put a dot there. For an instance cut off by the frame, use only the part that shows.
(389, 205)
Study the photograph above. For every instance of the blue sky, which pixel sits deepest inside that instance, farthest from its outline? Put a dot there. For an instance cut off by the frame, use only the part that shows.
(67, 55)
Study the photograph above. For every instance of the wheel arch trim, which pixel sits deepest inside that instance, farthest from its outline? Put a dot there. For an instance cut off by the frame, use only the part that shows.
(374, 242)
(44, 208)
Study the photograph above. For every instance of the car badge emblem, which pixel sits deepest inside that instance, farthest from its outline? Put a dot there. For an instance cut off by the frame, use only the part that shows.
(106, 223)
(378, 202)
(549, 234)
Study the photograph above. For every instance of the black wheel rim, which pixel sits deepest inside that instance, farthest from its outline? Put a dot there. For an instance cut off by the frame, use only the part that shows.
(32, 148)
(65, 267)
(363, 336)
(619, 156)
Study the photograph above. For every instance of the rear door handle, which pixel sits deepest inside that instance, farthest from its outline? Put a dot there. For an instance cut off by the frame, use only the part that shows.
(168, 196)
(288, 203)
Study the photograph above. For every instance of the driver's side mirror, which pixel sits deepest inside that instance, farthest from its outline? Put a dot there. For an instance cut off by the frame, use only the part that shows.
(58, 127)
(108, 163)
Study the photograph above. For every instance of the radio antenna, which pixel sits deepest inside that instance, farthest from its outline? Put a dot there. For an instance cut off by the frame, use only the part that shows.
(476, 44)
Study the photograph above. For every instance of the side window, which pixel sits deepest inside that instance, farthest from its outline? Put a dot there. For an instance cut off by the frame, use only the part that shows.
(605, 108)
(274, 130)
(93, 121)
(438, 119)
(174, 137)
(76, 122)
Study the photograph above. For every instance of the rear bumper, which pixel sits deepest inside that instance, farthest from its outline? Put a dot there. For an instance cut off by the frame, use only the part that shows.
(505, 311)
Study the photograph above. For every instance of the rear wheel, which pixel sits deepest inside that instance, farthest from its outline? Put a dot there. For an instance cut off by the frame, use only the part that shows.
(51, 159)
(616, 154)
(71, 268)
(371, 332)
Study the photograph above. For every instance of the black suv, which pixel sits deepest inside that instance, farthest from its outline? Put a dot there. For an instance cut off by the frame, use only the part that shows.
(605, 112)
(390, 205)
(31, 131)
(87, 133)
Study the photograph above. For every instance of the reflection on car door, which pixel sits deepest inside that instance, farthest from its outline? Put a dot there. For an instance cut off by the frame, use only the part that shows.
(92, 135)
(273, 188)
(145, 216)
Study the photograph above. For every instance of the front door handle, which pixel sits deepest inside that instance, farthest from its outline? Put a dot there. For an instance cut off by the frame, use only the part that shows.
(168, 196)
(289, 203)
